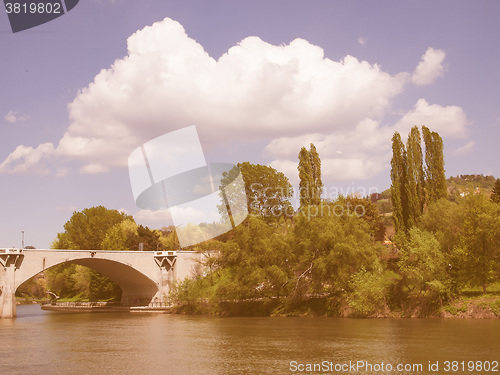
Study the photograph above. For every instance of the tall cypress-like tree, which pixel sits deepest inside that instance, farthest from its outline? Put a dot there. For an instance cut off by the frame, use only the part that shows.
(434, 161)
(495, 194)
(306, 177)
(316, 175)
(399, 186)
(310, 185)
(412, 185)
(416, 176)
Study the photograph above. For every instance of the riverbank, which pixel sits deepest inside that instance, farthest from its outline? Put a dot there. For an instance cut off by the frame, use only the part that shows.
(79, 307)
(485, 306)
(84, 307)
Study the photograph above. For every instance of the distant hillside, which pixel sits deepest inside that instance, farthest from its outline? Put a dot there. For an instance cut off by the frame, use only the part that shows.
(457, 186)
(469, 183)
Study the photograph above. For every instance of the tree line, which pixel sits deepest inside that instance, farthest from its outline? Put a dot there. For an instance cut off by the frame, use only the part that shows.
(440, 247)
(331, 256)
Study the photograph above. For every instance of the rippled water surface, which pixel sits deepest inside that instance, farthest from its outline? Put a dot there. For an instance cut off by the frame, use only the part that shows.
(40, 342)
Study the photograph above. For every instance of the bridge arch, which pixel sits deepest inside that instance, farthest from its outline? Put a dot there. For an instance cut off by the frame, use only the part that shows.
(137, 288)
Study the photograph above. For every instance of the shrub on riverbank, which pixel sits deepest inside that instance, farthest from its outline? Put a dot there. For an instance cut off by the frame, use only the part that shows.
(486, 306)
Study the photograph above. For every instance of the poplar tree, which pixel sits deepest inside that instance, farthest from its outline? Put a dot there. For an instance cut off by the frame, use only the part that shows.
(412, 185)
(305, 176)
(316, 175)
(310, 185)
(434, 161)
(399, 186)
(416, 176)
(495, 194)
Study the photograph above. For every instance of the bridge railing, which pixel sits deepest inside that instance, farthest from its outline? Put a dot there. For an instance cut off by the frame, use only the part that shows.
(159, 304)
(11, 251)
(85, 304)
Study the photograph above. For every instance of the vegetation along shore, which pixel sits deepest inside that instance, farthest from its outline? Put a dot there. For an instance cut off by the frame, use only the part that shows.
(428, 246)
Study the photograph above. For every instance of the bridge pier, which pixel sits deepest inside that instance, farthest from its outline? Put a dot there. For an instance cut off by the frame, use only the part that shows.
(10, 260)
(166, 260)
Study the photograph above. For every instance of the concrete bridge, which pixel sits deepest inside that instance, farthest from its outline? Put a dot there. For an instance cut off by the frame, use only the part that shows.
(143, 276)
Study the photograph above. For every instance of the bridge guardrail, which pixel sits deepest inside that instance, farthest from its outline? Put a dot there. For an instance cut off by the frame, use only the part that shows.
(159, 304)
(86, 304)
(11, 251)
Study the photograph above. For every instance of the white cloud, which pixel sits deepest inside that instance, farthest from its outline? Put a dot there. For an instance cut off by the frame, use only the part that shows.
(154, 219)
(362, 41)
(430, 67)
(254, 91)
(465, 149)
(93, 168)
(448, 121)
(61, 171)
(164, 217)
(13, 117)
(194, 215)
(287, 95)
(363, 151)
(28, 160)
(358, 153)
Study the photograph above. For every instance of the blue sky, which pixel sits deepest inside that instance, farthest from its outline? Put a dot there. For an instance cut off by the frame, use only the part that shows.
(259, 79)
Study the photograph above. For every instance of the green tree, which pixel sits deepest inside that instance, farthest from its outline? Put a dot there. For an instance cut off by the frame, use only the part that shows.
(316, 175)
(368, 211)
(495, 193)
(412, 185)
(310, 185)
(370, 290)
(268, 191)
(423, 270)
(87, 229)
(416, 176)
(306, 182)
(60, 280)
(399, 186)
(328, 248)
(149, 238)
(469, 234)
(476, 256)
(253, 264)
(122, 236)
(168, 238)
(434, 161)
(444, 219)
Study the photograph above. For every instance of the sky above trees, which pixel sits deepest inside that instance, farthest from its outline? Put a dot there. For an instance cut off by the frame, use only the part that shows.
(260, 80)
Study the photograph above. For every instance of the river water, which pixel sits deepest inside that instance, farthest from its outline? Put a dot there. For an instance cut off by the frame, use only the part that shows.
(40, 342)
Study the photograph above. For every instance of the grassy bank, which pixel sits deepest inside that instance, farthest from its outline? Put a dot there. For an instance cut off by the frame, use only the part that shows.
(485, 306)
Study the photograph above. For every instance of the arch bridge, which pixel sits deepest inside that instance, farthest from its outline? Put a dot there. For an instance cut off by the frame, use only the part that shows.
(143, 276)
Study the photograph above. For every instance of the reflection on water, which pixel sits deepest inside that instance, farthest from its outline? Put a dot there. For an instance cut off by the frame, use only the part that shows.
(40, 342)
